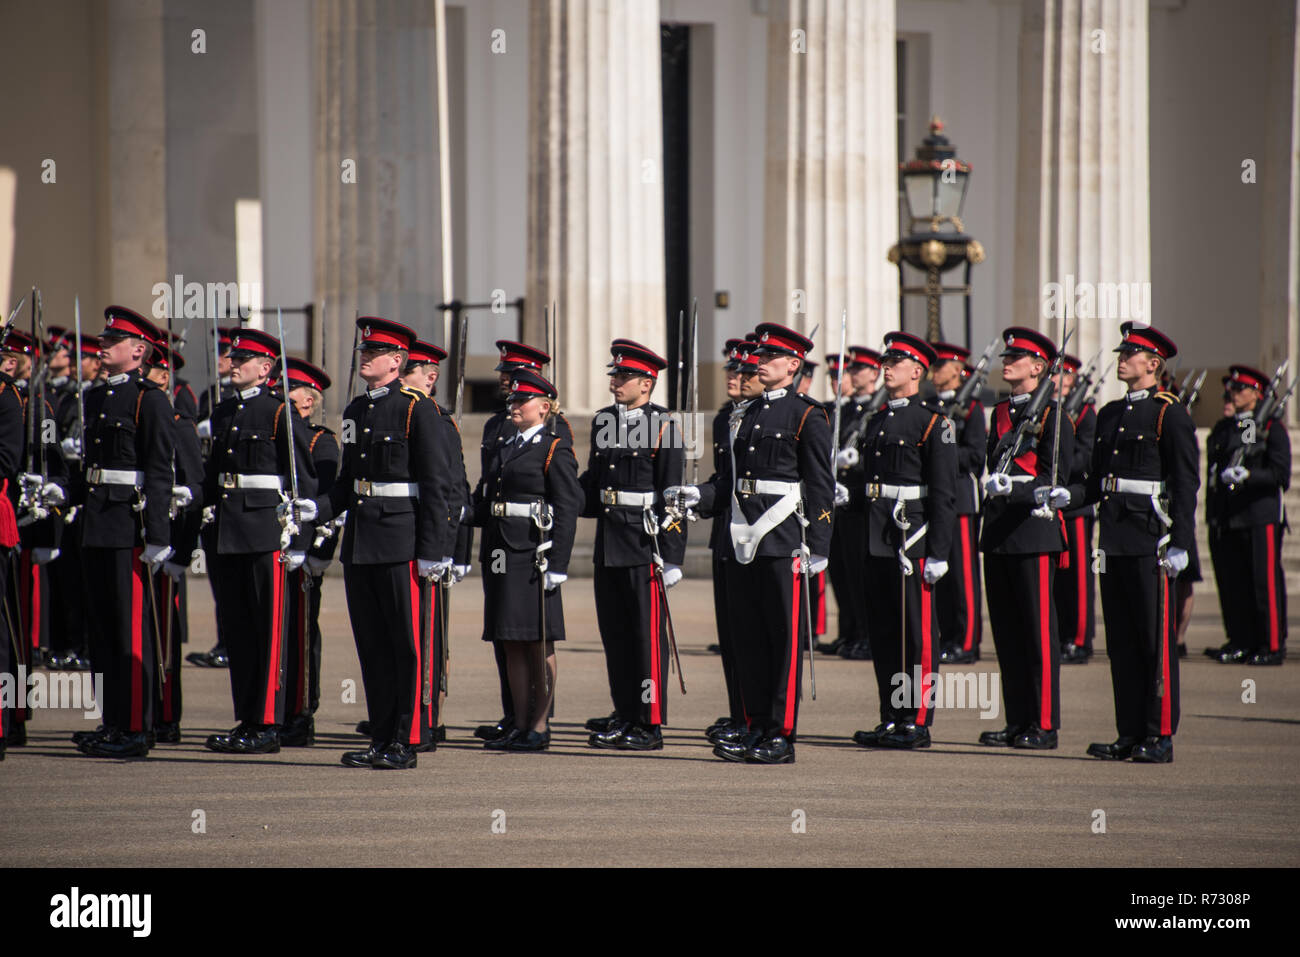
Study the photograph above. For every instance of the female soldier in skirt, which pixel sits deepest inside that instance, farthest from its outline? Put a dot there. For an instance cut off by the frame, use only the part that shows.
(528, 509)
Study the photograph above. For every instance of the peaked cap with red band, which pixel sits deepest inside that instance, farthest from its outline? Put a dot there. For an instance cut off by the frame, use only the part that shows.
(224, 335)
(517, 355)
(949, 352)
(89, 346)
(776, 339)
(862, 356)
(527, 384)
(1071, 363)
(20, 342)
(123, 323)
(304, 373)
(740, 354)
(904, 345)
(377, 333)
(59, 337)
(425, 352)
(635, 359)
(1021, 341)
(729, 345)
(1247, 376)
(1139, 337)
(254, 344)
(159, 358)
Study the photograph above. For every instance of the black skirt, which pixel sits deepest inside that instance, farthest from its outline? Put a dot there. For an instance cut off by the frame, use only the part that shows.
(510, 606)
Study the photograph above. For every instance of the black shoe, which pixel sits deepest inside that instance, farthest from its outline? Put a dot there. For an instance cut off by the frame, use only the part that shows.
(857, 651)
(395, 757)
(502, 742)
(730, 735)
(600, 725)
(118, 745)
(361, 759)
(1001, 739)
(1182, 649)
(216, 658)
(778, 749)
(363, 727)
(735, 750)
(1072, 654)
(1232, 655)
(80, 736)
(259, 740)
(490, 732)
(830, 647)
(168, 732)
(300, 732)
(1266, 658)
(1154, 750)
(423, 746)
(1118, 750)
(78, 663)
(638, 738)
(221, 743)
(440, 733)
(871, 739)
(1215, 652)
(906, 737)
(714, 649)
(956, 656)
(722, 724)
(1035, 739)
(611, 737)
(530, 741)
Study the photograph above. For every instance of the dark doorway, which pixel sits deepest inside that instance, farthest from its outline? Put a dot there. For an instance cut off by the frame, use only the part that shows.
(675, 57)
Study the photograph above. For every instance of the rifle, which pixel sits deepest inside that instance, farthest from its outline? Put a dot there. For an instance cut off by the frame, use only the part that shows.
(1058, 369)
(1083, 382)
(1026, 429)
(974, 381)
(9, 323)
(1189, 395)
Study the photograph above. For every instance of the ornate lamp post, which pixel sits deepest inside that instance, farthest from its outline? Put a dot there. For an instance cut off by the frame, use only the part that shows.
(933, 189)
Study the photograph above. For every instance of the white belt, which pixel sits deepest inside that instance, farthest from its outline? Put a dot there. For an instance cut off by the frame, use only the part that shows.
(1021, 479)
(1133, 486)
(765, 487)
(114, 477)
(901, 493)
(745, 538)
(611, 496)
(386, 489)
(512, 509)
(231, 480)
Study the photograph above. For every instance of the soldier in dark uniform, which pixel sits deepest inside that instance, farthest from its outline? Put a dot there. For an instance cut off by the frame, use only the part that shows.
(1022, 541)
(530, 497)
(247, 478)
(909, 456)
(817, 589)
(306, 384)
(1246, 518)
(1074, 590)
(1143, 477)
(636, 453)
(397, 541)
(497, 432)
(126, 528)
(957, 595)
(777, 476)
(169, 583)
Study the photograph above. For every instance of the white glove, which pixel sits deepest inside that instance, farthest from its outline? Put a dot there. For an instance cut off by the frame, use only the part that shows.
(71, 447)
(175, 571)
(672, 575)
(847, 458)
(1235, 474)
(1175, 561)
(209, 515)
(682, 496)
(205, 429)
(30, 483)
(999, 483)
(442, 568)
(935, 569)
(1057, 497)
(817, 564)
(426, 568)
(316, 566)
(181, 496)
(554, 580)
(155, 555)
(51, 494)
(841, 494)
(905, 564)
(458, 573)
(304, 509)
(43, 556)
(293, 560)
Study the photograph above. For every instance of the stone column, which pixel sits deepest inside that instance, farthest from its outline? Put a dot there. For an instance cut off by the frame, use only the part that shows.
(375, 185)
(595, 185)
(134, 237)
(831, 177)
(1082, 208)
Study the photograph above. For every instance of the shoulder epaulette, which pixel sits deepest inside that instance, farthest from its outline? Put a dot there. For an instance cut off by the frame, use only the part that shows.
(1166, 397)
(413, 393)
(807, 397)
(323, 428)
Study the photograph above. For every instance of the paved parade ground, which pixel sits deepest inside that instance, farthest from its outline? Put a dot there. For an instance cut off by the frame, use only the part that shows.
(1228, 800)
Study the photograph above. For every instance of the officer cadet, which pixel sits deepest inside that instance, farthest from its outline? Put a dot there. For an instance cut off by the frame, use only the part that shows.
(1246, 519)
(957, 595)
(817, 591)
(636, 453)
(848, 539)
(246, 479)
(909, 456)
(13, 730)
(306, 384)
(1073, 591)
(499, 430)
(224, 388)
(777, 477)
(169, 582)
(1022, 540)
(398, 538)
(739, 353)
(1143, 477)
(125, 509)
(528, 509)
